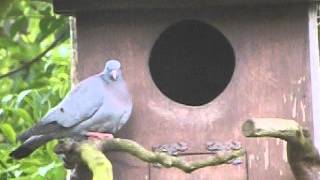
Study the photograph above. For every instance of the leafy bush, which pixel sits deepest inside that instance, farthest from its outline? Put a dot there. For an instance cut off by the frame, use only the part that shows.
(27, 29)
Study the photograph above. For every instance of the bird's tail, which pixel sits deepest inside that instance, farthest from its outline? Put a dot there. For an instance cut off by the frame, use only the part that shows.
(29, 146)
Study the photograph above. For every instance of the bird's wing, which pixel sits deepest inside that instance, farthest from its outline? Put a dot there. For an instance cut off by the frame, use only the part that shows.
(80, 104)
(41, 128)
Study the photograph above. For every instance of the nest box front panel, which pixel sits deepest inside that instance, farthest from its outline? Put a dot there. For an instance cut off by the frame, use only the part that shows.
(196, 75)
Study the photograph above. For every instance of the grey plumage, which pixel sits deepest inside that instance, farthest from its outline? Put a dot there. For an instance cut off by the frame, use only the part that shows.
(100, 103)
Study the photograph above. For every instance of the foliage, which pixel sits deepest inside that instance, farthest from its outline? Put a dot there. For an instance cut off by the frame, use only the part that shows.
(27, 28)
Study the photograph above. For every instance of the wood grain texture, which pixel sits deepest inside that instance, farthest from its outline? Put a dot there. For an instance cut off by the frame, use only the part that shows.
(75, 6)
(271, 79)
(315, 71)
(303, 157)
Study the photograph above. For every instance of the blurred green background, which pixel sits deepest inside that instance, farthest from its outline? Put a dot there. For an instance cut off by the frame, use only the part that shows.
(34, 76)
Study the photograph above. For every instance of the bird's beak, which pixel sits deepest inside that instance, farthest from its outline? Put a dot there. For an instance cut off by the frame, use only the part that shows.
(114, 75)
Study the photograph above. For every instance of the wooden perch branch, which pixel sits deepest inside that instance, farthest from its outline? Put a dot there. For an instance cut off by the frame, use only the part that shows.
(98, 164)
(166, 160)
(303, 157)
(70, 149)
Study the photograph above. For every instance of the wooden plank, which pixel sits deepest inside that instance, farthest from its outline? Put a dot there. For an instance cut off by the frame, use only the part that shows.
(271, 79)
(315, 72)
(73, 6)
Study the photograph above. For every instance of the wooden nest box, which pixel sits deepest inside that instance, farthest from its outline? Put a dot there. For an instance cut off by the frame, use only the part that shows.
(198, 69)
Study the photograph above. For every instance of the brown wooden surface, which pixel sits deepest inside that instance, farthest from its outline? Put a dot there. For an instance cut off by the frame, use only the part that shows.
(72, 6)
(271, 79)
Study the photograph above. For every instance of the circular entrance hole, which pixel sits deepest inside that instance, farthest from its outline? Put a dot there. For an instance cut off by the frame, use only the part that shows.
(192, 62)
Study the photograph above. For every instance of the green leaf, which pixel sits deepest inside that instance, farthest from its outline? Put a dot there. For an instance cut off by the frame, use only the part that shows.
(50, 149)
(58, 172)
(6, 98)
(19, 26)
(12, 168)
(29, 162)
(36, 105)
(7, 42)
(24, 115)
(1, 138)
(1, 111)
(43, 170)
(8, 132)
(21, 96)
(17, 173)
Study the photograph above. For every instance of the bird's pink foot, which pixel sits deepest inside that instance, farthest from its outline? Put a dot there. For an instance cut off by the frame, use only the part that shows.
(99, 136)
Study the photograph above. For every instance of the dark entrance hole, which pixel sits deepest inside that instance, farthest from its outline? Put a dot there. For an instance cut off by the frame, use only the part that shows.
(192, 62)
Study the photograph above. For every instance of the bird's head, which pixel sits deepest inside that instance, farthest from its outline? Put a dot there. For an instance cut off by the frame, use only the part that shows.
(112, 69)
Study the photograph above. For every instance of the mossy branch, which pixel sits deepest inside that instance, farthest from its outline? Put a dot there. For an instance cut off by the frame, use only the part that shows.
(133, 148)
(303, 156)
(97, 162)
(92, 151)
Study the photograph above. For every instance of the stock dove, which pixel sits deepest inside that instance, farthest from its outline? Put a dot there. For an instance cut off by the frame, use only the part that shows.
(98, 105)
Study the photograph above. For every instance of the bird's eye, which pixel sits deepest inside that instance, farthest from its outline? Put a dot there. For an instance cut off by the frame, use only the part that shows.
(61, 109)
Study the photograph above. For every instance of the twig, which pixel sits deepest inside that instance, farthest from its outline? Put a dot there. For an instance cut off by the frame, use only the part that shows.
(124, 145)
(38, 57)
(303, 156)
(133, 148)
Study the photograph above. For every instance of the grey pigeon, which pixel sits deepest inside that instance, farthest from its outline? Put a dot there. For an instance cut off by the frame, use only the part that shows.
(100, 103)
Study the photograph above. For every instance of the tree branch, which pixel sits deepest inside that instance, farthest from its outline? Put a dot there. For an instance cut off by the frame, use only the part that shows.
(134, 149)
(303, 156)
(99, 165)
(166, 160)
(38, 57)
